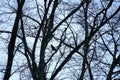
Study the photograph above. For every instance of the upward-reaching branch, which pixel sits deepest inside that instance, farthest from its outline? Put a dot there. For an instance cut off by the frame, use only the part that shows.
(12, 40)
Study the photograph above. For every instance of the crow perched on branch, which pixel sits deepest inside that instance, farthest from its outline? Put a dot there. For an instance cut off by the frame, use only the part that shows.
(53, 48)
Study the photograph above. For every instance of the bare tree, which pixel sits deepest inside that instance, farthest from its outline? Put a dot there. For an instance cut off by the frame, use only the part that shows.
(63, 39)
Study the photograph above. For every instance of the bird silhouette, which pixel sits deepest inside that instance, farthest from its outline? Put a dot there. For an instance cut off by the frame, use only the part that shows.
(53, 48)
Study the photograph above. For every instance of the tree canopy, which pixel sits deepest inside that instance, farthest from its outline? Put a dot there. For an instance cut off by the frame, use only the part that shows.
(60, 39)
